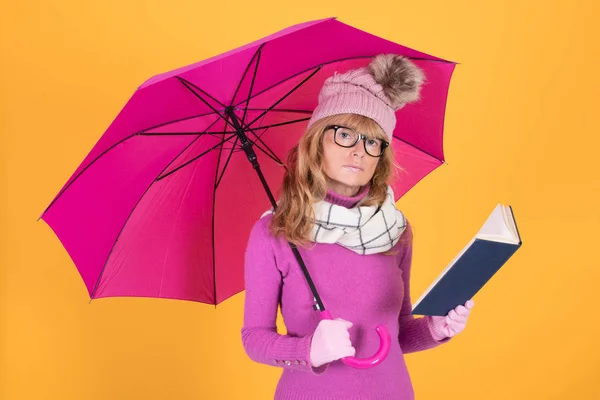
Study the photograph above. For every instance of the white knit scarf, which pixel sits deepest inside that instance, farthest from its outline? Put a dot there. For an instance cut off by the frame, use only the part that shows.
(363, 229)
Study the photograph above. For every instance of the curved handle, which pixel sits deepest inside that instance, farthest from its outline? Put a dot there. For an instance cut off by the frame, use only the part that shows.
(375, 359)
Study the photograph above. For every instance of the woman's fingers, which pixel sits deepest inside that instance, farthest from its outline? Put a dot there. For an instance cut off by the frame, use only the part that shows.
(462, 310)
(455, 316)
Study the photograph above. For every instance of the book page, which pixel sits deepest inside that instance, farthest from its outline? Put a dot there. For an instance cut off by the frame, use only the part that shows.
(495, 227)
(512, 224)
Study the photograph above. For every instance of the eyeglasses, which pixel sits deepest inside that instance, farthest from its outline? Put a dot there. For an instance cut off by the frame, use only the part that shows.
(347, 137)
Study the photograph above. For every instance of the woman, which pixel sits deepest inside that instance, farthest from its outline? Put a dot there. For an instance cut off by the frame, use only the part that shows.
(338, 179)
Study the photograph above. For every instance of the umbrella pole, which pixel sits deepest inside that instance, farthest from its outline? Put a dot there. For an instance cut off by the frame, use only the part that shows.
(251, 155)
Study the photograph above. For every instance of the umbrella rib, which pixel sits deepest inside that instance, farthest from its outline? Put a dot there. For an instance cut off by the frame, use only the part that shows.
(272, 156)
(282, 110)
(226, 163)
(295, 121)
(175, 121)
(203, 92)
(187, 85)
(141, 133)
(258, 137)
(183, 133)
(252, 85)
(417, 148)
(284, 97)
(222, 132)
(133, 210)
(217, 177)
(259, 50)
(196, 158)
(83, 170)
(334, 61)
(213, 216)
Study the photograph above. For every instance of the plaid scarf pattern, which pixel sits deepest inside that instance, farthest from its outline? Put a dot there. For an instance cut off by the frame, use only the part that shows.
(363, 229)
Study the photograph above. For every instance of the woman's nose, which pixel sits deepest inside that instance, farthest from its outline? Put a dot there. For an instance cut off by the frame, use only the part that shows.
(358, 149)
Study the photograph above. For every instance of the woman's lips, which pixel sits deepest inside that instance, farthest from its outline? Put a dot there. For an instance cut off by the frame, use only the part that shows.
(352, 168)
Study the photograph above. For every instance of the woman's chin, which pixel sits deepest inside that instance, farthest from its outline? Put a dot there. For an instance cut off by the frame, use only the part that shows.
(352, 181)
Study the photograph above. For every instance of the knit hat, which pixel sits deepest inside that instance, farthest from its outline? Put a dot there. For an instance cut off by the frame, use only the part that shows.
(377, 91)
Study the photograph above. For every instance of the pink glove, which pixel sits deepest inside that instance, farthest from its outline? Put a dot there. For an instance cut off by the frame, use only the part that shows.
(330, 342)
(451, 324)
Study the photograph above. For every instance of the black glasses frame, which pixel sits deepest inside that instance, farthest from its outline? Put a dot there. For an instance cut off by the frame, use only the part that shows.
(360, 137)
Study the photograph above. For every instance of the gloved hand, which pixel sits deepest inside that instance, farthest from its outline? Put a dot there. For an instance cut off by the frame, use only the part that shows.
(331, 341)
(451, 324)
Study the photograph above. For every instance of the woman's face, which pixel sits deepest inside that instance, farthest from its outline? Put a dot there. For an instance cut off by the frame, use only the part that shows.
(347, 168)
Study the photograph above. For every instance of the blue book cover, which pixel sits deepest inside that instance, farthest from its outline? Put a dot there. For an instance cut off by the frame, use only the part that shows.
(474, 266)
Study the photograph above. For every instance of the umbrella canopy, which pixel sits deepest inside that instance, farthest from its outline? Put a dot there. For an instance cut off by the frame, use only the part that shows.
(163, 204)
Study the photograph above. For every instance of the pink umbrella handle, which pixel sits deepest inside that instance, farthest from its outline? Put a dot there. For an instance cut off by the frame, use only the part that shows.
(378, 357)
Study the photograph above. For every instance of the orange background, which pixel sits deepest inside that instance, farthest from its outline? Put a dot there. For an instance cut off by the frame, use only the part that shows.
(521, 128)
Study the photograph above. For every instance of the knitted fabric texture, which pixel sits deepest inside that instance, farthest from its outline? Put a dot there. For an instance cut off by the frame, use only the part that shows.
(377, 91)
(367, 290)
(364, 230)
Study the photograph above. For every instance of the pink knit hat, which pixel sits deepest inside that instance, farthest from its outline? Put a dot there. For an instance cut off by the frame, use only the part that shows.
(376, 91)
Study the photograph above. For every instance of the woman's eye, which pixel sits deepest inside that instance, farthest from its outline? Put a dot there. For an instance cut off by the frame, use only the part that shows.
(344, 135)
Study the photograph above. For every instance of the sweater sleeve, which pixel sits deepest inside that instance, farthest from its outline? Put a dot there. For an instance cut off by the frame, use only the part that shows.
(414, 333)
(263, 285)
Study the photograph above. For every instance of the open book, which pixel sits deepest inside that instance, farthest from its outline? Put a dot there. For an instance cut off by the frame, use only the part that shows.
(497, 240)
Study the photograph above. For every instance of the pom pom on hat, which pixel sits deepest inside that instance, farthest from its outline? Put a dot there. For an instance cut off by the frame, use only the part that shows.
(376, 91)
(399, 77)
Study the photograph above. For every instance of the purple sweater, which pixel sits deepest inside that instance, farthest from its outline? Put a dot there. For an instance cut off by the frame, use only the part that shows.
(366, 290)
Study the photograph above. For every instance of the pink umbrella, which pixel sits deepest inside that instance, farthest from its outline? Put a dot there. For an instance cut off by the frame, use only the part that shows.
(163, 204)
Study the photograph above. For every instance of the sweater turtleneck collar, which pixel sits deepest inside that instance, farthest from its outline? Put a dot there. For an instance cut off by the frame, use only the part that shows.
(346, 201)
